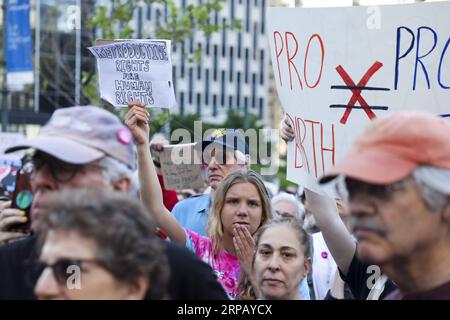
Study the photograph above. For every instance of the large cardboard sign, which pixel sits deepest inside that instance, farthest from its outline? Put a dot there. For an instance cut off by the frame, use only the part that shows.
(135, 70)
(336, 69)
(178, 171)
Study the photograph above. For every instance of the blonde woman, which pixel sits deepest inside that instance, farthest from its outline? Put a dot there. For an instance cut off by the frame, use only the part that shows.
(241, 205)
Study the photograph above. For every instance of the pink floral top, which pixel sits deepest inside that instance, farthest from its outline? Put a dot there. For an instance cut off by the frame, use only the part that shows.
(226, 266)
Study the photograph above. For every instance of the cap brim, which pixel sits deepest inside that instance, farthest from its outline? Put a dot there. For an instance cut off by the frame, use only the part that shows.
(61, 148)
(376, 166)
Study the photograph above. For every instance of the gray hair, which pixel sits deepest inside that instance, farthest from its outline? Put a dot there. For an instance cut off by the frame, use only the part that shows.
(434, 185)
(113, 170)
(283, 196)
(124, 234)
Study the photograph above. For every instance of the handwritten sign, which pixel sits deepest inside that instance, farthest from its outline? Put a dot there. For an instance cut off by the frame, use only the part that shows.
(135, 70)
(179, 169)
(338, 68)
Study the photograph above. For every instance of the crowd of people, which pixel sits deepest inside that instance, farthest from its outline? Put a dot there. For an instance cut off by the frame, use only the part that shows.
(105, 227)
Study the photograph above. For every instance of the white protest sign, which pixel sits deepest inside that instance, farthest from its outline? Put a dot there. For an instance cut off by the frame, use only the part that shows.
(178, 168)
(136, 70)
(338, 68)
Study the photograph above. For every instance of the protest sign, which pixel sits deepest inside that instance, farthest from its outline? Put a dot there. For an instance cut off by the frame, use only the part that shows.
(179, 169)
(8, 172)
(10, 162)
(338, 68)
(135, 70)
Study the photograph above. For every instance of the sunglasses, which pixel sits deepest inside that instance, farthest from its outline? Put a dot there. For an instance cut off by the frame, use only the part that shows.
(382, 192)
(61, 171)
(64, 268)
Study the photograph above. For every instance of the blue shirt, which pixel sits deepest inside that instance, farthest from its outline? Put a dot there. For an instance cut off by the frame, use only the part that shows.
(192, 213)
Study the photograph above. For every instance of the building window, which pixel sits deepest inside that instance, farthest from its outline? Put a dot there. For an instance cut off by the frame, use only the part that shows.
(255, 39)
(222, 96)
(263, 17)
(254, 90)
(239, 45)
(199, 72)
(166, 13)
(231, 61)
(158, 16)
(214, 105)
(149, 11)
(182, 69)
(191, 85)
(199, 103)
(230, 102)
(181, 102)
(174, 74)
(238, 90)
(206, 86)
(224, 37)
(261, 67)
(246, 65)
(261, 108)
(232, 10)
(215, 63)
(247, 17)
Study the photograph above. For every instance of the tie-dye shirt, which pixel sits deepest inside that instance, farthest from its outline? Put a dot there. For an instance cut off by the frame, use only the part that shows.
(226, 266)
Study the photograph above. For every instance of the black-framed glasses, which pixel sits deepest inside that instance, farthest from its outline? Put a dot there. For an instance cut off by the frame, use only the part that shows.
(61, 171)
(63, 268)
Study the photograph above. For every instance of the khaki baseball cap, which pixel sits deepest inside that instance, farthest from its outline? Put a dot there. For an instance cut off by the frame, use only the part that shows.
(82, 134)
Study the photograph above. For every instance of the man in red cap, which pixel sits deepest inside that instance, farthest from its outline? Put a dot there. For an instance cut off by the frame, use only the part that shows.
(397, 175)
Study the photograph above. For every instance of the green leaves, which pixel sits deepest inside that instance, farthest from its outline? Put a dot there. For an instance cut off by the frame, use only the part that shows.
(180, 25)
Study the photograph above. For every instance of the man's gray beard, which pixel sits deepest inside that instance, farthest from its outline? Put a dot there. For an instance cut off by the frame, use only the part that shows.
(310, 225)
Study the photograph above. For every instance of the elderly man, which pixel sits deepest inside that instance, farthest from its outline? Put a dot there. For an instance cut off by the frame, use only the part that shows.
(397, 174)
(87, 147)
(224, 151)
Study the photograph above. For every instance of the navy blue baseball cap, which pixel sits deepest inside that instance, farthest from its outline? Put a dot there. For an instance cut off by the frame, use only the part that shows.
(229, 138)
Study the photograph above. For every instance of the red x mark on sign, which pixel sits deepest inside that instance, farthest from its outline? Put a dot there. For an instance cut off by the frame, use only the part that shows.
(357, 92)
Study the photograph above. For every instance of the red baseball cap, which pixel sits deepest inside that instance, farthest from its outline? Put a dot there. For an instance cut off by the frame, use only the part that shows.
(390, 148)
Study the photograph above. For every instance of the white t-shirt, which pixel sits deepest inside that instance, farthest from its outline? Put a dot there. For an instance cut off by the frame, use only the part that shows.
(323, 267)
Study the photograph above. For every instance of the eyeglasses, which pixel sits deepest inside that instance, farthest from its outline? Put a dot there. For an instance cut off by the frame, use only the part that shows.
(220, 155)
(382, 192)
(284, 214)
(61, 171)
(64, 268)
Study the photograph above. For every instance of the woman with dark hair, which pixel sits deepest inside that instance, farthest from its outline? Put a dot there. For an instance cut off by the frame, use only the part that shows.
(280, 263)
(99, 245)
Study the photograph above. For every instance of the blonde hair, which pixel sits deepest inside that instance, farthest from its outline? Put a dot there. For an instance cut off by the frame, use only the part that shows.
(215, 226)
